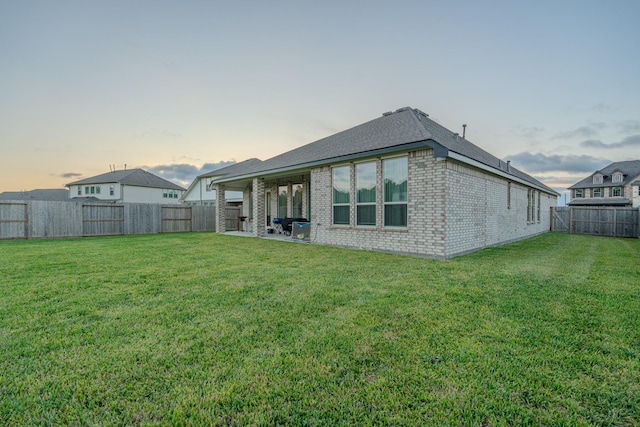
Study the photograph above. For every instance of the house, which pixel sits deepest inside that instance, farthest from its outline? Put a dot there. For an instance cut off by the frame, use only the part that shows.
(128, 185)
(400, 183)
(615, 185)
(56, 194)
(202, 193)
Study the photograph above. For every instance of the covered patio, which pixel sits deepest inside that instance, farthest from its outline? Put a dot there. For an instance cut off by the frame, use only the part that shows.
(270, 204)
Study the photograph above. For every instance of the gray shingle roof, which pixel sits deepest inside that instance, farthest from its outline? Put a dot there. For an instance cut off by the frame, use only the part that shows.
(630, 171)
(392, 131)
(600, 201)
(56, 194)
(132, 177)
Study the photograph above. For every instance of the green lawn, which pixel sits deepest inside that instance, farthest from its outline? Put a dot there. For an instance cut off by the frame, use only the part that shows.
(207, 329)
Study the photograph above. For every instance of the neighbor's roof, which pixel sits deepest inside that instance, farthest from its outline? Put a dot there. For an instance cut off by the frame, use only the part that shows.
(242, 167)
(246, 165)
(600, 201)
(131, 177)
(394, 131)
(630, 170)
(56, 194)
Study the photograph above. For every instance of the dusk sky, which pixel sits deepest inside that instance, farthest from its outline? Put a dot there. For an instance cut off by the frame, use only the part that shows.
(180, 88)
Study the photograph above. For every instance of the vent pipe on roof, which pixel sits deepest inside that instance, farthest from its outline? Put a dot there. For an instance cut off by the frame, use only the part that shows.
(464, 130)
(508, 165)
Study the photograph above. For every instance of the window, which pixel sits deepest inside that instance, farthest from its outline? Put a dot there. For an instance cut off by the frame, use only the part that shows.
(578, 193)
(282, 201)
(616, 192)
(509, 195)
(395, 179)
(297, 201)
(529, 204)
(98, 189)
(86, 190)
(341, 186)
(79, 191)
(112, 190)
(597, 179)
(366, 193)
(538, 208)
(617, 177)
(170, 194)
(596, 192)
(93, 190)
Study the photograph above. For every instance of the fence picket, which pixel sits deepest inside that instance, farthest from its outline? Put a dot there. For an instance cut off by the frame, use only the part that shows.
(600, 221)
(42, 219)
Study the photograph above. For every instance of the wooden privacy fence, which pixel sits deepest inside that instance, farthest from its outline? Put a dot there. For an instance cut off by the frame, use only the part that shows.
(599, 221)
(41, 219)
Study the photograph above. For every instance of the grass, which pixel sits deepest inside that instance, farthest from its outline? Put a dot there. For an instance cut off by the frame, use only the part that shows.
(206, 329)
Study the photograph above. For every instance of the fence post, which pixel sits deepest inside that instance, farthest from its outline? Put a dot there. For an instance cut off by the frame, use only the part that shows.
(570, 219)
(551, 219)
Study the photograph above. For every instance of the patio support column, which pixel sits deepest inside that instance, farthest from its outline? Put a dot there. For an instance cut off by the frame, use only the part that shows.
(221, 209)
(259, 211)
(305, 200)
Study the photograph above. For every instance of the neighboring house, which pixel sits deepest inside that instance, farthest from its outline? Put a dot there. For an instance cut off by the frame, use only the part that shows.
(399, 183)
(56, 194)
(128, 185)
(615, 185)
(202, 193)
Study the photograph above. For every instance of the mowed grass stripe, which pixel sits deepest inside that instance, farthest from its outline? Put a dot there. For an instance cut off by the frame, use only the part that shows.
(207, 329)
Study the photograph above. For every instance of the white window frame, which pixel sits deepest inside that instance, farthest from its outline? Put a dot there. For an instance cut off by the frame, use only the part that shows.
(617, 177)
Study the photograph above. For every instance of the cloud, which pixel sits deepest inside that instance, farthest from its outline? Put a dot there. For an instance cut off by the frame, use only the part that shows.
(184, 173)
(581, 132)
(533, 163)
(629, 141)
(629, 126)
(70, 175)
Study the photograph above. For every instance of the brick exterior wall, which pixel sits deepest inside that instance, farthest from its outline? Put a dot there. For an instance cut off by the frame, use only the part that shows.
(480, 212)
(221, 209)
(425, 232)
(452, 209)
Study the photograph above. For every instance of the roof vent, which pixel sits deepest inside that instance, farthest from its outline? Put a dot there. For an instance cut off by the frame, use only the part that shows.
(402, 109)
(508, 165)
(421, 113)
(456, 135)
(388, 113)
